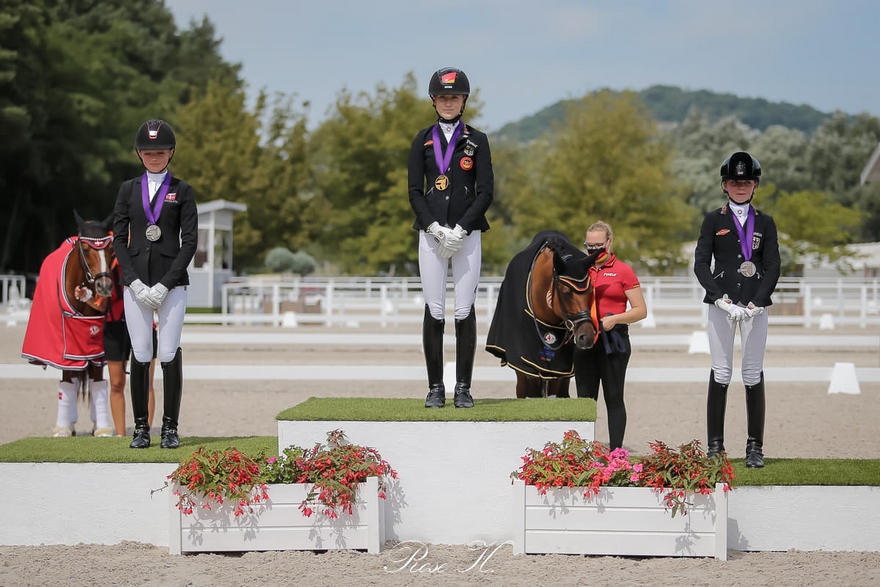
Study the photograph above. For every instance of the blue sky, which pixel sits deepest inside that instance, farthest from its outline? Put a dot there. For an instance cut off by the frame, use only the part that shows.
(524, 55)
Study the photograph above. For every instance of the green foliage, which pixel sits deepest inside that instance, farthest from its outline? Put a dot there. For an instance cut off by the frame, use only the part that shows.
(413, 410)
(670, 104)
(810, 224)
(334, 469)
(589, 465)
(78, 78)
(608, 163)
(360, 165)
(210, 477)
(280, 260)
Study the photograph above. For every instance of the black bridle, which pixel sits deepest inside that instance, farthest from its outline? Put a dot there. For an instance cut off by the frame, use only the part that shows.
(571, 321)
(97, 243)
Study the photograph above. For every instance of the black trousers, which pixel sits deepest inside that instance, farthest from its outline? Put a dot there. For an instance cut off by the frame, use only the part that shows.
(594, 366)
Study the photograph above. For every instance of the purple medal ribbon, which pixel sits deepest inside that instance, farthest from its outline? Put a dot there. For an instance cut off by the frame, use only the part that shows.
(444, 159)
(745, 234)
(154, 211)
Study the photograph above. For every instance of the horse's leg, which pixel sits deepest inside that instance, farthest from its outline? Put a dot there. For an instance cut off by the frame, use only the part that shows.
(99, 402)
(562, 386)
(522, 386)
(65, 421)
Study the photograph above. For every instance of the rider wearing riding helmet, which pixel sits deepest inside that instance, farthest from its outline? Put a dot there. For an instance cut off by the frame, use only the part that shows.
(156, 232)
(451, 186)
(742, 242)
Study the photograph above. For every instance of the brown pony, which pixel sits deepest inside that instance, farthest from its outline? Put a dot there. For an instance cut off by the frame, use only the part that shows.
(546, 306)
(65, 327)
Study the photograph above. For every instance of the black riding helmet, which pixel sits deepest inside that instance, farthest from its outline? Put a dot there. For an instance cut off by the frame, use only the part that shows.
(741, 165)
(449, 81)
(155, 134)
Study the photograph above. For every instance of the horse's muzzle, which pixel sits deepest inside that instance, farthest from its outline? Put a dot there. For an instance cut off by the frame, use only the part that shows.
(584, 336)
(104, 286)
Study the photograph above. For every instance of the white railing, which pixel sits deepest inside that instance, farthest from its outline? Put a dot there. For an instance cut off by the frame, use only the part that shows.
(12, 293)
(395, 301)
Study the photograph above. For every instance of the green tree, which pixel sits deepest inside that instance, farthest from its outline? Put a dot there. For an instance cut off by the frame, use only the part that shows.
(607, 162)
(360, 159)
(811, 224)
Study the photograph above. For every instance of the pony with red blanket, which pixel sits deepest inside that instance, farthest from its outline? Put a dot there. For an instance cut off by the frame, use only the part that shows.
(66, 325)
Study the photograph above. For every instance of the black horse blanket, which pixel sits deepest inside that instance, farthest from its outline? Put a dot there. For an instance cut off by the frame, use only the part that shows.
(515, 336)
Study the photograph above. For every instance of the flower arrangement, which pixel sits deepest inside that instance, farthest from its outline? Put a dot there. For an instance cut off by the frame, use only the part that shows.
(214, 477)
(578, 463)
(334, 469)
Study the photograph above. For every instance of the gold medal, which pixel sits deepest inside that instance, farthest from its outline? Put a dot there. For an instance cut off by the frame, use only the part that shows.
(442, 182)
(154, 233)
(747, 269)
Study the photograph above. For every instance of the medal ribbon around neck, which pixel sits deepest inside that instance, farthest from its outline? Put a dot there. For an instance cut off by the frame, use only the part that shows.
(154, 211)
(745, 234)
(444, 159)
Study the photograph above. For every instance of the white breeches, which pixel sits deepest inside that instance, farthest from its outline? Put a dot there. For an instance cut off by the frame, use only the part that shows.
(753, 337)
(465, 274)
(140, 325)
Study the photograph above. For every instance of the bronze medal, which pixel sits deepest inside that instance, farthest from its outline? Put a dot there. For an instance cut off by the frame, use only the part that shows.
(442, 182)
(154, 233)
(747, 269)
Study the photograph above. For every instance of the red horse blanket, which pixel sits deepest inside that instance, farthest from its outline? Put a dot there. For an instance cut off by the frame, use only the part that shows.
(56, 334)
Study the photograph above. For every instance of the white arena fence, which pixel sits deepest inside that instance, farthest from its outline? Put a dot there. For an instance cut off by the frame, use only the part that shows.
(394, 301)
(675, 301)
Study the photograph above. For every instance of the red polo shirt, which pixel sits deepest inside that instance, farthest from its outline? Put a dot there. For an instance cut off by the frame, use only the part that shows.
(612, 281)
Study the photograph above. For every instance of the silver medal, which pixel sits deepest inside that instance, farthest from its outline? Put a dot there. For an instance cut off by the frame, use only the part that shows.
(154, 233)
(747, 269)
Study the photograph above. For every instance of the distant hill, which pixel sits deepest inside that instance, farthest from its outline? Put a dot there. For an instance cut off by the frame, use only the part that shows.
(672, 104)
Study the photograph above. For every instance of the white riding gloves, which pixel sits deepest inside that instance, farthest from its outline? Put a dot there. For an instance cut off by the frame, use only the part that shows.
(447, 238)
(142, 293)
(735, 313)
(157, 294)
(751, 311)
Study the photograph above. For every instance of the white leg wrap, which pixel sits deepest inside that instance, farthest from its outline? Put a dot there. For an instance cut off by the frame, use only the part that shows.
(100, 407)
(66, 404)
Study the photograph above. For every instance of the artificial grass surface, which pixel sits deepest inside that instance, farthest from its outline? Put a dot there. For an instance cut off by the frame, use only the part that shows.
(413, 410)
(116, 450)
(87, 449)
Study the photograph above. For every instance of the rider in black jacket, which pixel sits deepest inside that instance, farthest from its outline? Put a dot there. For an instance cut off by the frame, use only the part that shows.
(451, 184)
(743, 244)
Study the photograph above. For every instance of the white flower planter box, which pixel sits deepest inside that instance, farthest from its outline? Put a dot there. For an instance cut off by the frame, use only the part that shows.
(278, 524)
(627, 521)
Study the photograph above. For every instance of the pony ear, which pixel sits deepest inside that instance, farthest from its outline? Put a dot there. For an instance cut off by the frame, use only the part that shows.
(559, 264)
(591, 258)
(79, 220)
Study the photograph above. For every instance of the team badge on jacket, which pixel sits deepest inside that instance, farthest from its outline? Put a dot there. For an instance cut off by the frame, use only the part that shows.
(722, 232)
(466, 163)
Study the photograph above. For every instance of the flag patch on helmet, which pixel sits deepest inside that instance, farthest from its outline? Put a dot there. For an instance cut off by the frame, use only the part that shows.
(448, 78)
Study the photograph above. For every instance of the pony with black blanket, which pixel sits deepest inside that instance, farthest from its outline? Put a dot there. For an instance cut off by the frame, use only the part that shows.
(546, 307)
(65, 328)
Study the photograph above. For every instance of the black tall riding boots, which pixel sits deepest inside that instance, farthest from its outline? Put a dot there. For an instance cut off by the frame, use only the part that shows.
(465, 348)
(172, 373)
(432, 342)
(140, 398)
(755, 412)
(716, 405)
